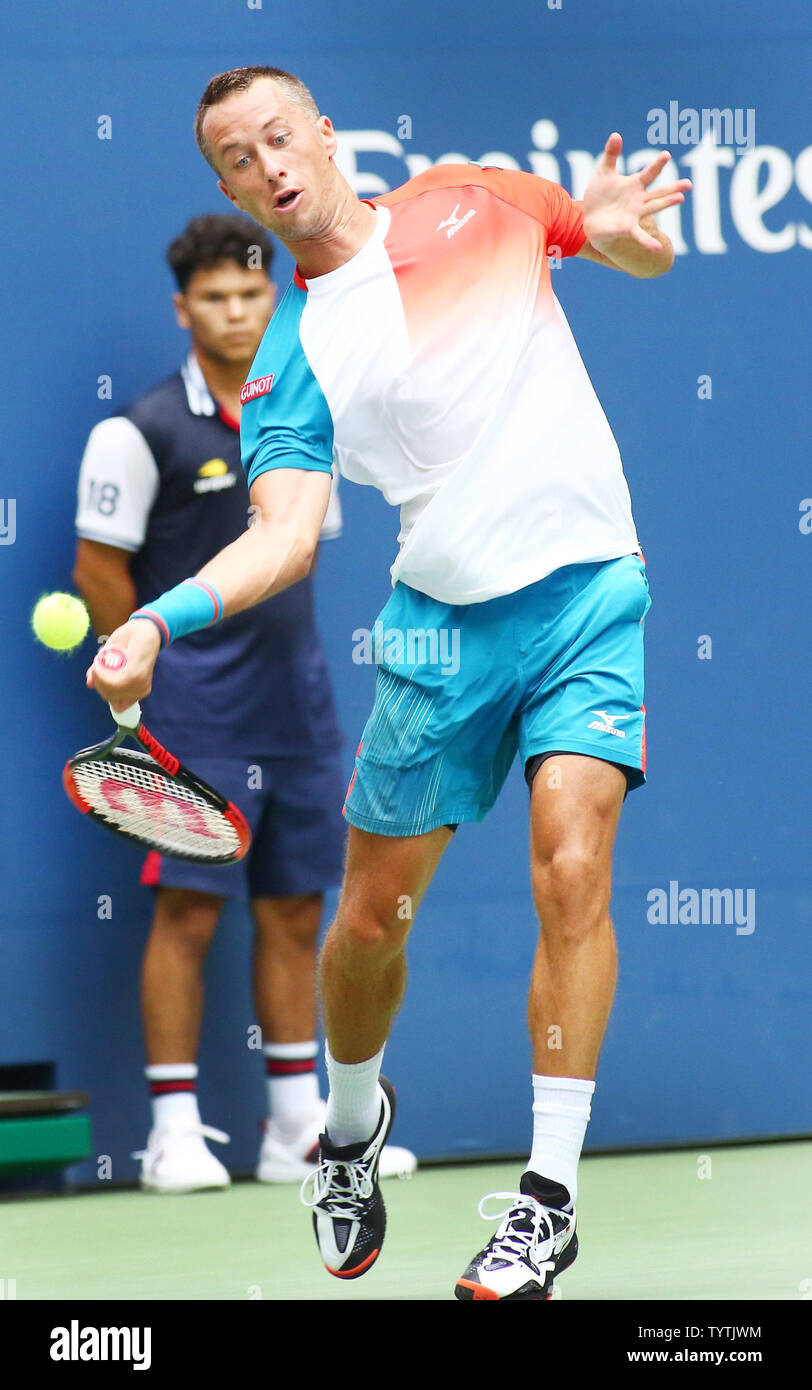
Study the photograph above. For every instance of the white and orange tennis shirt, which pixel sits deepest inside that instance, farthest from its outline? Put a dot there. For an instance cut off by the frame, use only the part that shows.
(437, 365)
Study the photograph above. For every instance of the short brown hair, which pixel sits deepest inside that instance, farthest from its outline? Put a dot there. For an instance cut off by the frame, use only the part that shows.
(239, 80)
(216, 237)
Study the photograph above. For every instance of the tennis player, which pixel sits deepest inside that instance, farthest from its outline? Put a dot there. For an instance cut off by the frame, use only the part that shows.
(420, 349)
(161, 490)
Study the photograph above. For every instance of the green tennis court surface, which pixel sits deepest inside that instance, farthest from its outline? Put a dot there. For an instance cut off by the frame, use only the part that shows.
(649, 1226)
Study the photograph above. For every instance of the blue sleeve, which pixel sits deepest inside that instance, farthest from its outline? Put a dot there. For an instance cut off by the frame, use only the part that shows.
(287, 423)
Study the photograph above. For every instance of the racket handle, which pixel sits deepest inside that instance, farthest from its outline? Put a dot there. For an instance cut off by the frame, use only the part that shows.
(114, 658)
(128, 718)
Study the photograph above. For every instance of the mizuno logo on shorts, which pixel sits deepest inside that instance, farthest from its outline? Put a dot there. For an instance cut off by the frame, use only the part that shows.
(605, 723)
(260, 386)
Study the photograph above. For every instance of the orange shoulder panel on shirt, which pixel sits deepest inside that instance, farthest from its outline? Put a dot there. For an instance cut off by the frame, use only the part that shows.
(546, 202)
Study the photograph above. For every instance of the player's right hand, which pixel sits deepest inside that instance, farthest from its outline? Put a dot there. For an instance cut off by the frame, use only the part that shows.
(141, 643)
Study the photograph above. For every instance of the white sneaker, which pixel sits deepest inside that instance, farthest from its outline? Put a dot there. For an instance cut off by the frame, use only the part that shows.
(291, 1158)
(533, 1244)
(177, 1159)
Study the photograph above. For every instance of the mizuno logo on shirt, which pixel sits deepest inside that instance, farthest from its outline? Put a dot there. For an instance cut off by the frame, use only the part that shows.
(454, 223)
(260, 386)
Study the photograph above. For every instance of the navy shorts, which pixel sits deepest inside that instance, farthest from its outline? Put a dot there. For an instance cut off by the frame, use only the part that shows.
(293, 806)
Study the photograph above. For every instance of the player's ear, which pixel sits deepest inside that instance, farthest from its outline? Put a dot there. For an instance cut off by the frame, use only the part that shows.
(226, 192)
(328, 135)
(181, 312)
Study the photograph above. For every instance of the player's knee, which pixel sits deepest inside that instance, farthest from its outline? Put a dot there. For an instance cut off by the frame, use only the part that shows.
(571, 888)
(190, 918)
(290, 923)
(369, 933)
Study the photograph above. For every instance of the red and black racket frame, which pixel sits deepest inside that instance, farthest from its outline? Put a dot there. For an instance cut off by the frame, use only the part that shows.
(175, 770)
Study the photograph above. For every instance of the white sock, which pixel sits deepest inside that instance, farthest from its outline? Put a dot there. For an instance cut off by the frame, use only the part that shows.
(293, 1083)
(561, 1109)
(354, 1103)
(172, 1105)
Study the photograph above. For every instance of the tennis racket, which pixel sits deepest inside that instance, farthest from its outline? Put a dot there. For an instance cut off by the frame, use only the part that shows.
(151, 797)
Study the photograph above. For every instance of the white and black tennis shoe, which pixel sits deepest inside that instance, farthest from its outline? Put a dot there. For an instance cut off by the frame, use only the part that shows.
(349, 1217)
(535, 1242)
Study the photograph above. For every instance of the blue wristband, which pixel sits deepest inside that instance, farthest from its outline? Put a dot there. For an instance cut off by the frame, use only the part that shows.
(188, 607)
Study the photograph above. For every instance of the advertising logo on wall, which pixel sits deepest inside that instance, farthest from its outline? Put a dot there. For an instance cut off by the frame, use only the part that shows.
(739, 186)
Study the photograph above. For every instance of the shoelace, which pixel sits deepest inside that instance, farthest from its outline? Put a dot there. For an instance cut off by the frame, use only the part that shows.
(526, 1225)
(205, 1132)
(354, 1184)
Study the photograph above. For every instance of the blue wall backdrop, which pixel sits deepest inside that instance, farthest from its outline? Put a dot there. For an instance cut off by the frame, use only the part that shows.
(704, 378)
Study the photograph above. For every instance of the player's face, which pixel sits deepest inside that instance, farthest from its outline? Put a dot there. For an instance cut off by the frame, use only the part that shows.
(226, 309)
(275, 162)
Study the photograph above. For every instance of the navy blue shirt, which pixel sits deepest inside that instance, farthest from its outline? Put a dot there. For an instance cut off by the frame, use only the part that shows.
(164, 480)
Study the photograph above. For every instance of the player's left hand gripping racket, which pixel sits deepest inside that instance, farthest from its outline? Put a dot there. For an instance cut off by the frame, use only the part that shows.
(151, 797)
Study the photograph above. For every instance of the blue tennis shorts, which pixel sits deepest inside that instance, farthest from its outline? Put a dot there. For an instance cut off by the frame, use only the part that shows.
(293, 806)
(554, 667)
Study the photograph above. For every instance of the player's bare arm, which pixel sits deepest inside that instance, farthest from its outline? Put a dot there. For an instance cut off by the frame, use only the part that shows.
(277, 549)
(102, 575)
(619, 211)
(288, 508)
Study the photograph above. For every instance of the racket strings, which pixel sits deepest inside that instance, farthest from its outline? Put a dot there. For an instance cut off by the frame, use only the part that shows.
(136, 798)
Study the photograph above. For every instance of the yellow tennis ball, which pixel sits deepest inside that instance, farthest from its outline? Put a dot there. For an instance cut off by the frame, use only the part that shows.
(60, 621)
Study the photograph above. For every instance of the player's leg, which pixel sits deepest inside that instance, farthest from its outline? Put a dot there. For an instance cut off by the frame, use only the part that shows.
(188, 901)
(284, 965)
(284, 983)
(298, 853)
(575, 808)
(285, 941)
(363, 968)
(591, 705)
(435, 752)
(176, 1158)
(183, 925)
(363, 978)
(582, 641)
(363, 963)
